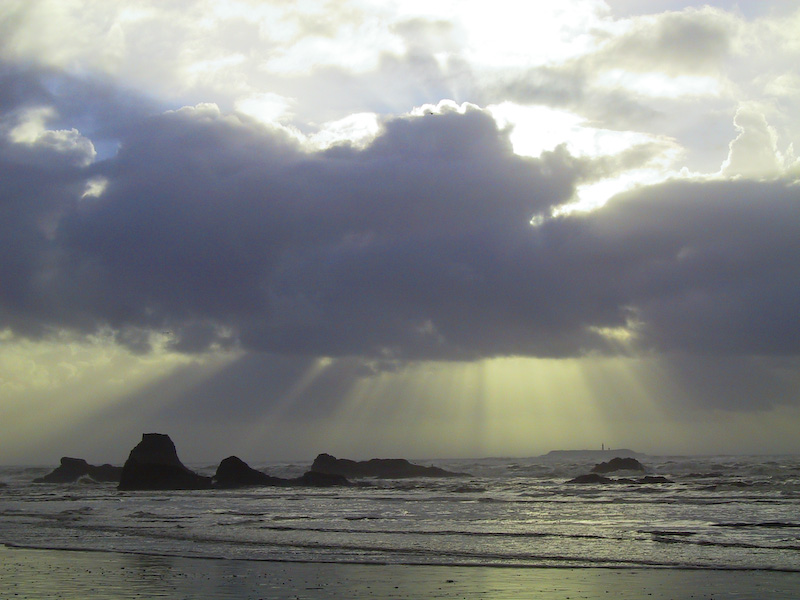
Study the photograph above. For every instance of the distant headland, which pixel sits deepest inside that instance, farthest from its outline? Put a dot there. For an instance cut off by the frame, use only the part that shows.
(592, 454)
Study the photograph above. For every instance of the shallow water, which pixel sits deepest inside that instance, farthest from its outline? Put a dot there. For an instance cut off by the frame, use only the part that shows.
(35, 574)
(718, 512)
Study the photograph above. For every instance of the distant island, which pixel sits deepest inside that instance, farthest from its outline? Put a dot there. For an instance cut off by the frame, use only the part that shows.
(593, 454)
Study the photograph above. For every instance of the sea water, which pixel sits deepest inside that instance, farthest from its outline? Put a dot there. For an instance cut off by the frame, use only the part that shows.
(716, 512)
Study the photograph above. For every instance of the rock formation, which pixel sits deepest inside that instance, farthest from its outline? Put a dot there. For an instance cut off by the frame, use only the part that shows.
(386, 468)
(317, 479)
(618, 464)
(233, 472)
(154, 465)
(72, 469)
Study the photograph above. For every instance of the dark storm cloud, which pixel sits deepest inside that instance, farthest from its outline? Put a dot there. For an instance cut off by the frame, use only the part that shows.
(211, 220)
(216, 230)
(43, 176)
(706, 266)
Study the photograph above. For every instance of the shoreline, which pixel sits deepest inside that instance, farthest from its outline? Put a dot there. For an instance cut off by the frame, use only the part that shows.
(366, 563)
(94, 575)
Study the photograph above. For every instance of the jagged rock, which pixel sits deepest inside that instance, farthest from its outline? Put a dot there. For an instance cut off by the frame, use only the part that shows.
(386, 468)
(618, 464)
(233, 472)
(72, 469)
(154, 465)
(591, 478)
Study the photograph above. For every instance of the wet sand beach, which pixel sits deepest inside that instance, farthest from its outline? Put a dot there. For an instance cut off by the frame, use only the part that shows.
(36, 574)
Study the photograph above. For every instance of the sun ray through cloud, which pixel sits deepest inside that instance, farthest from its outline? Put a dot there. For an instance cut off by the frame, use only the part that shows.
(366, 223)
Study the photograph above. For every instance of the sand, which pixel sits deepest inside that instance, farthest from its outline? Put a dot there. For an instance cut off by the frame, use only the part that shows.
(38, 574)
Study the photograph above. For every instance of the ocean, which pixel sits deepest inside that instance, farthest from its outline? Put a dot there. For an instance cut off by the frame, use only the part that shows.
(721, 512)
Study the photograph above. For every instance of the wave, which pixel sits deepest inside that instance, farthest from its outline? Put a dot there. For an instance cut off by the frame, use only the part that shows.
(439, 532)
(526, 562)
(143, 515)
(683, 538)
(722, 513)
(767, 524)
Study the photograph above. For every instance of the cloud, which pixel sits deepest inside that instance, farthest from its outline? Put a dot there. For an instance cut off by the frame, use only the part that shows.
(394, 236)
(314, 252)
(705, 265)
(225, 232)
(191, 51)
(30, 132)
(754, 152)
(681, 74)
(692, 41)
(634, 65)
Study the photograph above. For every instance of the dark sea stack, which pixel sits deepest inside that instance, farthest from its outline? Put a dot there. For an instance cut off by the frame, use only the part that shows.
(72, 469)
(105, 472)
(154, 465)
(618, 464)
(233, 472)
(317, 479)
(385, 468)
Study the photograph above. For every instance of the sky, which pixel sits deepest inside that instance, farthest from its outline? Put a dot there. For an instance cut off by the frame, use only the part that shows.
(398, 228)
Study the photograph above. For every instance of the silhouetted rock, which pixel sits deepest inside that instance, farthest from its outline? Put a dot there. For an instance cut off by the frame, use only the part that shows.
(317, 479)
(618, 464)
(591, 478)
(154, 465)
(233, 472)
(386, 468)
(72, 469)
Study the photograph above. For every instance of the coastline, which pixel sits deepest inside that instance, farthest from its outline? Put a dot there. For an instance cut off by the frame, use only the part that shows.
(35, 573)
